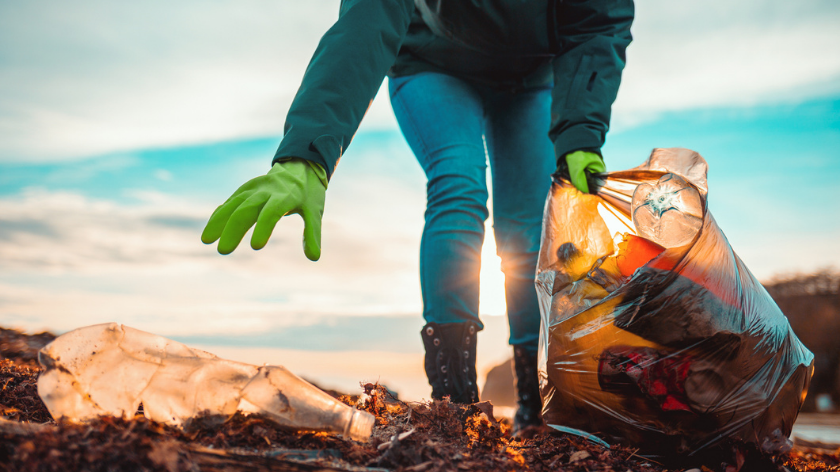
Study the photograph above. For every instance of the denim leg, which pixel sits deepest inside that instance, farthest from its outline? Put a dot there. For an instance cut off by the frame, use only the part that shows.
(442, 120)
(521, 163)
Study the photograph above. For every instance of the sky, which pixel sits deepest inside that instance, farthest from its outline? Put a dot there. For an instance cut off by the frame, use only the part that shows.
(122, 126)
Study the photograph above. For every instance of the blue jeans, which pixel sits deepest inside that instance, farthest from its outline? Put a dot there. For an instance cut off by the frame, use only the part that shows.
(447, 122)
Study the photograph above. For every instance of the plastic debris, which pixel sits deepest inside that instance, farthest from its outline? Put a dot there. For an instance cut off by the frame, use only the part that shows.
(663, 340)
(668, 212)
(110, 369)
(634, 252)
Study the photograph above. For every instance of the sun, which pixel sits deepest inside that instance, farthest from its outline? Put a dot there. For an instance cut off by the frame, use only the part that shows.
(491, 300)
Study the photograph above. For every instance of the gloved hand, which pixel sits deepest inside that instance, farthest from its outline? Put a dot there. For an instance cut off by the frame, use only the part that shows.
(581, 162)
(291, 186)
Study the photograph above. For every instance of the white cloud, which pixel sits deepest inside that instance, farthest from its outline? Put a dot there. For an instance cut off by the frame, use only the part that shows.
(163, 174)
(727, 54)
(97, 76)
(67, 260)
(100, 76)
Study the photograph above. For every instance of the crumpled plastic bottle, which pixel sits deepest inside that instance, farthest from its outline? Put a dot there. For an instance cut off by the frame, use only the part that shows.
(668, 212)
(110, 369)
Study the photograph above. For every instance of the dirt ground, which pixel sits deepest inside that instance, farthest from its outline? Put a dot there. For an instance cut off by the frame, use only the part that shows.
(416, 437)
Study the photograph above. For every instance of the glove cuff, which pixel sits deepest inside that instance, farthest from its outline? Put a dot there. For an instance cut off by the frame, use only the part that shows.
(562, 170)
(318, 169)
(581, 167)
(320, 172)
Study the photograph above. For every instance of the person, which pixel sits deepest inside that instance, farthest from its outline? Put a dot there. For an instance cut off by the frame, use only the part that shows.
(527, 84)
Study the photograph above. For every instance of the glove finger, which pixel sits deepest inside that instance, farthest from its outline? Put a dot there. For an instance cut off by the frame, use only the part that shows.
(241, 221)
(219, 218)
(578, 178)
(596, 167)
(271, 213)
(311, 234)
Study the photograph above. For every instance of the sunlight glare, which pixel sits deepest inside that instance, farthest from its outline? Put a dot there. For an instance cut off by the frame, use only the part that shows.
(616, 221)
(491, 300)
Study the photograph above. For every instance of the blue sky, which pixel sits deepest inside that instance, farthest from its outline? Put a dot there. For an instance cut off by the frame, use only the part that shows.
(123, 126)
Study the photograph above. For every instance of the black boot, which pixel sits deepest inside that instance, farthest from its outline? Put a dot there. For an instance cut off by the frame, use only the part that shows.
(450, 360)
(529, 405)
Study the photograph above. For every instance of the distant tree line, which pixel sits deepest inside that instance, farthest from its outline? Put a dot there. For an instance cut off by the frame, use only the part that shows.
(811, 303)
(823, 282)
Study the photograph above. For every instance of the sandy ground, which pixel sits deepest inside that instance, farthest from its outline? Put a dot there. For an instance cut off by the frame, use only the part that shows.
(343, 370)
(817, 430)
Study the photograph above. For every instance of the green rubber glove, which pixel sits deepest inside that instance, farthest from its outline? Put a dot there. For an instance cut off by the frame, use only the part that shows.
(291, 186)
(581, 162)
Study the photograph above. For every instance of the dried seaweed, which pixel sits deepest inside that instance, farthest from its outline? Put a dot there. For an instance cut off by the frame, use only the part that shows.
(22, 348)
(19, 398)
(410, 437)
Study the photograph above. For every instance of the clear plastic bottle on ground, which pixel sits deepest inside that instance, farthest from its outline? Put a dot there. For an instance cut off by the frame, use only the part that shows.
(109, 369)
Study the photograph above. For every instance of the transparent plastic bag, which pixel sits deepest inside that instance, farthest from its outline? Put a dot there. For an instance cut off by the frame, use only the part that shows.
(672, 349)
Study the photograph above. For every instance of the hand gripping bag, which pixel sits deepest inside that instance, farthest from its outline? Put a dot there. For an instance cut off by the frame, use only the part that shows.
(674, 354)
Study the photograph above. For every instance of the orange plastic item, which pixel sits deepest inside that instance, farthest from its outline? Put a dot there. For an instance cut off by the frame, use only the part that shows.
(634, 252)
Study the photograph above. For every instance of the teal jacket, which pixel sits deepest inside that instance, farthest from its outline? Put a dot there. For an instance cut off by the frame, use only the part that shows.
(510, 44)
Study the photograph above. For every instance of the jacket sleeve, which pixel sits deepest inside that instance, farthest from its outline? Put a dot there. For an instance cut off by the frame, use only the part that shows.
(592, 38)
(342, 79)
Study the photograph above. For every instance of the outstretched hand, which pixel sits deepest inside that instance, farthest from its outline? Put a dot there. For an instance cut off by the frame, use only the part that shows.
(291, 186)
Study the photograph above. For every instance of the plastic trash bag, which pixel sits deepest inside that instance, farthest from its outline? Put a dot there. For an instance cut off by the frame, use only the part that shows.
(110, 369)
(655, 333)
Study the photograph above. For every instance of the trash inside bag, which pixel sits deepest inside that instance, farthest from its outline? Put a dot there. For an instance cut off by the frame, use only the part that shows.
(654, 333)
(110, 369)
